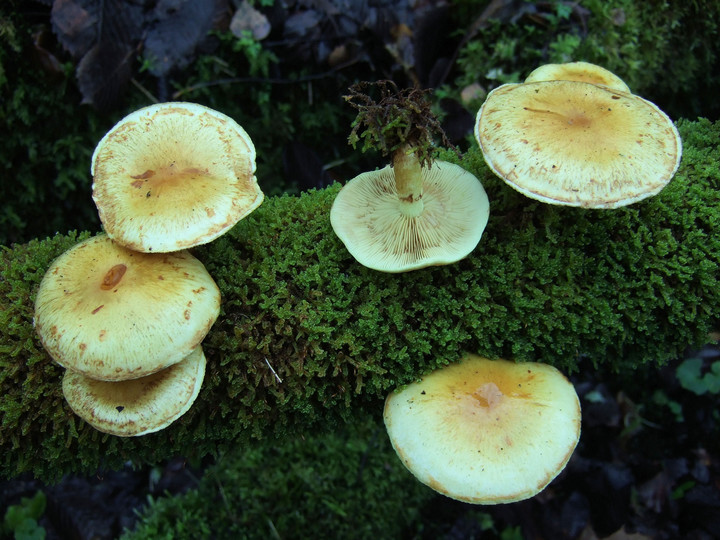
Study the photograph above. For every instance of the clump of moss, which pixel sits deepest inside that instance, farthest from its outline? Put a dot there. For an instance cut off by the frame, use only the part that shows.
(398, 119)
(348, 482)
(47, 143)
(307, 337)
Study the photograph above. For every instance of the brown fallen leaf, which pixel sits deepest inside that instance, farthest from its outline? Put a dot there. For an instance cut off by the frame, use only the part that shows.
(249, 19)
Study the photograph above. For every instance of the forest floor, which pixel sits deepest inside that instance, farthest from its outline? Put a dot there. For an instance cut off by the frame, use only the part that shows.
(647, 467)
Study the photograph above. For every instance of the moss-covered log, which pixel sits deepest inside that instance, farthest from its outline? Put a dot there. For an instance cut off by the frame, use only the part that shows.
(308, 337)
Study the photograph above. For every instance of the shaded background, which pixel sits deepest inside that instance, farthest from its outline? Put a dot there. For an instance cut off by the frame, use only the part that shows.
(647, 465)
(70, 69)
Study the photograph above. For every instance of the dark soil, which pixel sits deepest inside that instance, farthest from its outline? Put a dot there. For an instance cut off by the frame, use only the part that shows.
(101, 506)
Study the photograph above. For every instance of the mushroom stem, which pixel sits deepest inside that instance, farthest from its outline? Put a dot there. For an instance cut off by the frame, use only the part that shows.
(408, 180)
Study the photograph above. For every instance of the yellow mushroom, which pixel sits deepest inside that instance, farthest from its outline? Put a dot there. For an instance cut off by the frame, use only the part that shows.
(138, 406)
(485, 431)
(113, 314)
(577, 144)
(172, 176)
(394, 227)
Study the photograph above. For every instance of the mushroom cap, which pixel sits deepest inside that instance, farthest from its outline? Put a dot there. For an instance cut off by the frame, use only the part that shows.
(138, 406)
(578, 71)
(115, 314)
(485, 431)
(366, 215)
(577, 144)
(173, 175)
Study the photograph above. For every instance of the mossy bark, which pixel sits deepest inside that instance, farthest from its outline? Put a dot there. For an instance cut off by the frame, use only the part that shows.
(308, 337)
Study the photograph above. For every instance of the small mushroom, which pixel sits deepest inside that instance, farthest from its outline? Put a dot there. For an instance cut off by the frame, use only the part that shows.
(138, 406)
(173, 175)
(417, 212)
(578, 71)
(485, 431)
(391, 227)
(113, 314)
(577, 144)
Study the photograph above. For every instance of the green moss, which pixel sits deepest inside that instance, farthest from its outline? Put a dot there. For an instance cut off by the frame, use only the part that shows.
(350, 483)
(47, 138)
(552, 284)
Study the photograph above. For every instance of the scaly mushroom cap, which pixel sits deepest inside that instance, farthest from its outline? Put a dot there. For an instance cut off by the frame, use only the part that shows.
(172, 176)
(485, 431)
(114, 314)
(578, 71)
(366, 215)
(139, 406)
(577, 144)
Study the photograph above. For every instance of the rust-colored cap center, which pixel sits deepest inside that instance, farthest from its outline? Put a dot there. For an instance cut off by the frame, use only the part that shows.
(488, 395)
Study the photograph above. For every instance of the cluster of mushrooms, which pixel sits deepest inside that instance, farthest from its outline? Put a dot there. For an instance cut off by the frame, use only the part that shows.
(495, 431)
(125, 311)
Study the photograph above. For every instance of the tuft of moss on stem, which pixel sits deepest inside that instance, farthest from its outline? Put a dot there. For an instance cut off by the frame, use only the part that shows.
(399, 119)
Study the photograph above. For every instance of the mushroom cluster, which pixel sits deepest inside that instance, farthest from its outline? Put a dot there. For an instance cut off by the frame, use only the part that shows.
(492, 431)
(125, 311)
(573, 134)
(485, 431)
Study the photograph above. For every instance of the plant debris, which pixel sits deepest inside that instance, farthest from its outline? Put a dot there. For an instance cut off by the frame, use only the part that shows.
(106, 37)
(398, 118)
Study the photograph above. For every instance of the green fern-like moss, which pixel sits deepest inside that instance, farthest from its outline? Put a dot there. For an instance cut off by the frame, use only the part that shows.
(307, 337)
(349, 482)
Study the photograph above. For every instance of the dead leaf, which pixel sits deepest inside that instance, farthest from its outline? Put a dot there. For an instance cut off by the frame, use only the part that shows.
(179, 26)
(249, 19)
(103, 74)
(75, 25)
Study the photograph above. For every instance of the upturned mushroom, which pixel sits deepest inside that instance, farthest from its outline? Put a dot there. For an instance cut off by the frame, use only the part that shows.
(138, 406)
(113, 314)
(485, 431)
(418, 212)
(577, 144)
(172, 176)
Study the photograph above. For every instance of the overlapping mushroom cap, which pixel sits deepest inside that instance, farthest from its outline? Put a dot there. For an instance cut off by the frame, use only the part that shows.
(485, 431)
(115, 314)
(368, 218)
(576, 143)
(138, 406)
(578, 71)
(173, 175)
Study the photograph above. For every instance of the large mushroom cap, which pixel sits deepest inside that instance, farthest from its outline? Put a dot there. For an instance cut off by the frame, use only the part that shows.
(577, 144)
(115, 314)
(578, 71)
(172, 176)
(485, 431)
(139, 406)
(366, 215)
